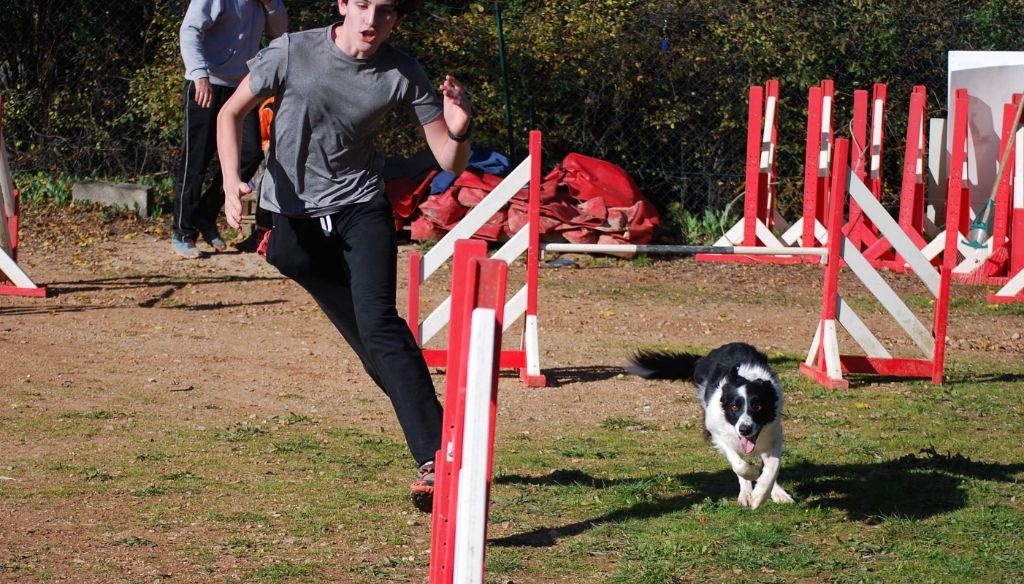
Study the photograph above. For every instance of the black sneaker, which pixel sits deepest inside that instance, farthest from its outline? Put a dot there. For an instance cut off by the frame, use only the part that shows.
(422, 489)
(216, 241)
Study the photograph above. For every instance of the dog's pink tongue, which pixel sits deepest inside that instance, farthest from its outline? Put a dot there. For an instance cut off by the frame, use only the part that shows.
(746, 446)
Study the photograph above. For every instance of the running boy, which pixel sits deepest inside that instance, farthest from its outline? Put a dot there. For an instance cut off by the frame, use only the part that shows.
(333, 231)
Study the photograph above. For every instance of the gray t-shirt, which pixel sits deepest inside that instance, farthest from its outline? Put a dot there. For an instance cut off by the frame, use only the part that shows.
(328, 108)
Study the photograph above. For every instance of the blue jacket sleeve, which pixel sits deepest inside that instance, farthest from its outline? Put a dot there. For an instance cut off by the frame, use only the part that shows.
(198, 18)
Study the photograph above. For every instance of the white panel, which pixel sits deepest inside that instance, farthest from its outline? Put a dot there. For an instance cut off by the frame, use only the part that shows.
(936, 246)
(881, 290)
(859, 331)
(7, 198)
(794, 233)
(514, 247)
(833, 365)
(937, 179)
(514, 308)
(437, 320)
(532, 343)
(919, 165)
(471, 505)
(876, 138)
(825, 148)
(732, 237)
(1013, 286)
(891, 231)
(815, 343)
(765, 235)
(1018, 171)
(13, 272)
(767, 148)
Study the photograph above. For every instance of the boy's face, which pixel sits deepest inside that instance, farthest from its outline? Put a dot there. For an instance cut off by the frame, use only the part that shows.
(368, 23)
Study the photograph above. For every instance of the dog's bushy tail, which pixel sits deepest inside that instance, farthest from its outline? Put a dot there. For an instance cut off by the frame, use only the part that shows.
(662, 365)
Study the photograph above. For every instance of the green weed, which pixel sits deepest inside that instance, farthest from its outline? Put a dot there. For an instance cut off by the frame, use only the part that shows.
(284, 571)
(697, 228)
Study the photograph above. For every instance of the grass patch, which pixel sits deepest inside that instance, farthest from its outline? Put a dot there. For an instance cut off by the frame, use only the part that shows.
(894, 482)
(93, 415)
(283, 571)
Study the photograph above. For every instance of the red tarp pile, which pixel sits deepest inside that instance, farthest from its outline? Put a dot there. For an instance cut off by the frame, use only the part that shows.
(583, 200)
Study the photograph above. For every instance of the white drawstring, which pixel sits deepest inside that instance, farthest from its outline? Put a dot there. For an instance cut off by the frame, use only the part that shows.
(326, 226)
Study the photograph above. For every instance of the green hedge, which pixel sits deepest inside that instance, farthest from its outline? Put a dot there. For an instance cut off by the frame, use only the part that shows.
(656, 86)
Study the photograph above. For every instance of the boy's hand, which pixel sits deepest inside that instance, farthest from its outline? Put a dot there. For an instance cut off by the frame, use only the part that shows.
(457, 109)
(233, 194)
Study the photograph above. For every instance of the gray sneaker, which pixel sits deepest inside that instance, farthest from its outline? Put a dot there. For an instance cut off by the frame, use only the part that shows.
(185, 248)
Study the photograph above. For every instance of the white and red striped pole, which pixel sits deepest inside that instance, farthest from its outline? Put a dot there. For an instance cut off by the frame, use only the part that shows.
(463, 465)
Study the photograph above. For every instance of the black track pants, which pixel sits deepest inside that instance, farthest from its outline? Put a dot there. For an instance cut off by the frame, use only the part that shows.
(347, 262)
(196, 208)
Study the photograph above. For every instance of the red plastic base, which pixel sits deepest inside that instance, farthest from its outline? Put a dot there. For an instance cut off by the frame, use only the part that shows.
(6, 290)
(994, 299)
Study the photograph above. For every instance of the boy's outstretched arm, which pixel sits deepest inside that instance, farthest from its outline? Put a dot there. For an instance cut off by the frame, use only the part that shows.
(443, 133)
(229, 147)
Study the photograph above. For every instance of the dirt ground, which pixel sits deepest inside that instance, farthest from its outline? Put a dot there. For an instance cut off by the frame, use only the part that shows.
(212, 341)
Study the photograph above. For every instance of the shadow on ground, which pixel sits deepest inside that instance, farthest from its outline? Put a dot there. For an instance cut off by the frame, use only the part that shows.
(164, 288)
(915, 486)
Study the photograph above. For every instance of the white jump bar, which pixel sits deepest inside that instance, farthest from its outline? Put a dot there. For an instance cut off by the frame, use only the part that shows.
(613, 248)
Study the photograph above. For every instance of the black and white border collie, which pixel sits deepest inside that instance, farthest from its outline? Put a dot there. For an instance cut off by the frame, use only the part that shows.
(742, 403)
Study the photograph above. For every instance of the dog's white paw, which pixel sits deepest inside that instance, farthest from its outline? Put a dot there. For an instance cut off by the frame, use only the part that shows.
(746, 490)
(779, 495)
(756, 498)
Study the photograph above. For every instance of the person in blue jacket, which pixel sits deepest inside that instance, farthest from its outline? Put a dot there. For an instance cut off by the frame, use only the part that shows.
(217, 38)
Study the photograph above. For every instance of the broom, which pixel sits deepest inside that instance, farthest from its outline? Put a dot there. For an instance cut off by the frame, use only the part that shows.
(980, 232)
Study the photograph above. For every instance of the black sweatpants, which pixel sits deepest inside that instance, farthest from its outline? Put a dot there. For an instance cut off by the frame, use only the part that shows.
(348, 261)
(196, 208)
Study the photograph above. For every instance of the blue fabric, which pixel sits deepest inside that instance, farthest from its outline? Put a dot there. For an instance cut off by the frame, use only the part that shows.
(483, 159)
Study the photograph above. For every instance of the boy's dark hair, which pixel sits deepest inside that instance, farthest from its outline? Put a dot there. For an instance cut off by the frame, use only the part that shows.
(403, 7)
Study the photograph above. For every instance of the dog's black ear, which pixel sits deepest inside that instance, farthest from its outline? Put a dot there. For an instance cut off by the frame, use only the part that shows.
(734, 376)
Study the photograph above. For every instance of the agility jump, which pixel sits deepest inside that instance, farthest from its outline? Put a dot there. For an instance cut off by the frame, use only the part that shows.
(988, 250)
(13, 280)
(523, 302)
(825, 363)
(761, 220)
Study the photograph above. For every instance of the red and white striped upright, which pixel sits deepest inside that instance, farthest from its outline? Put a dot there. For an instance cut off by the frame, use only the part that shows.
(867, 159)
(463, 465)
(912, 190)
(1009, 223)
(762, 135)
(761, 220)
(810, 228)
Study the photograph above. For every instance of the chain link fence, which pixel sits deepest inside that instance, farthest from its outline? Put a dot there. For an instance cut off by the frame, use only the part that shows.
(659, 87)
